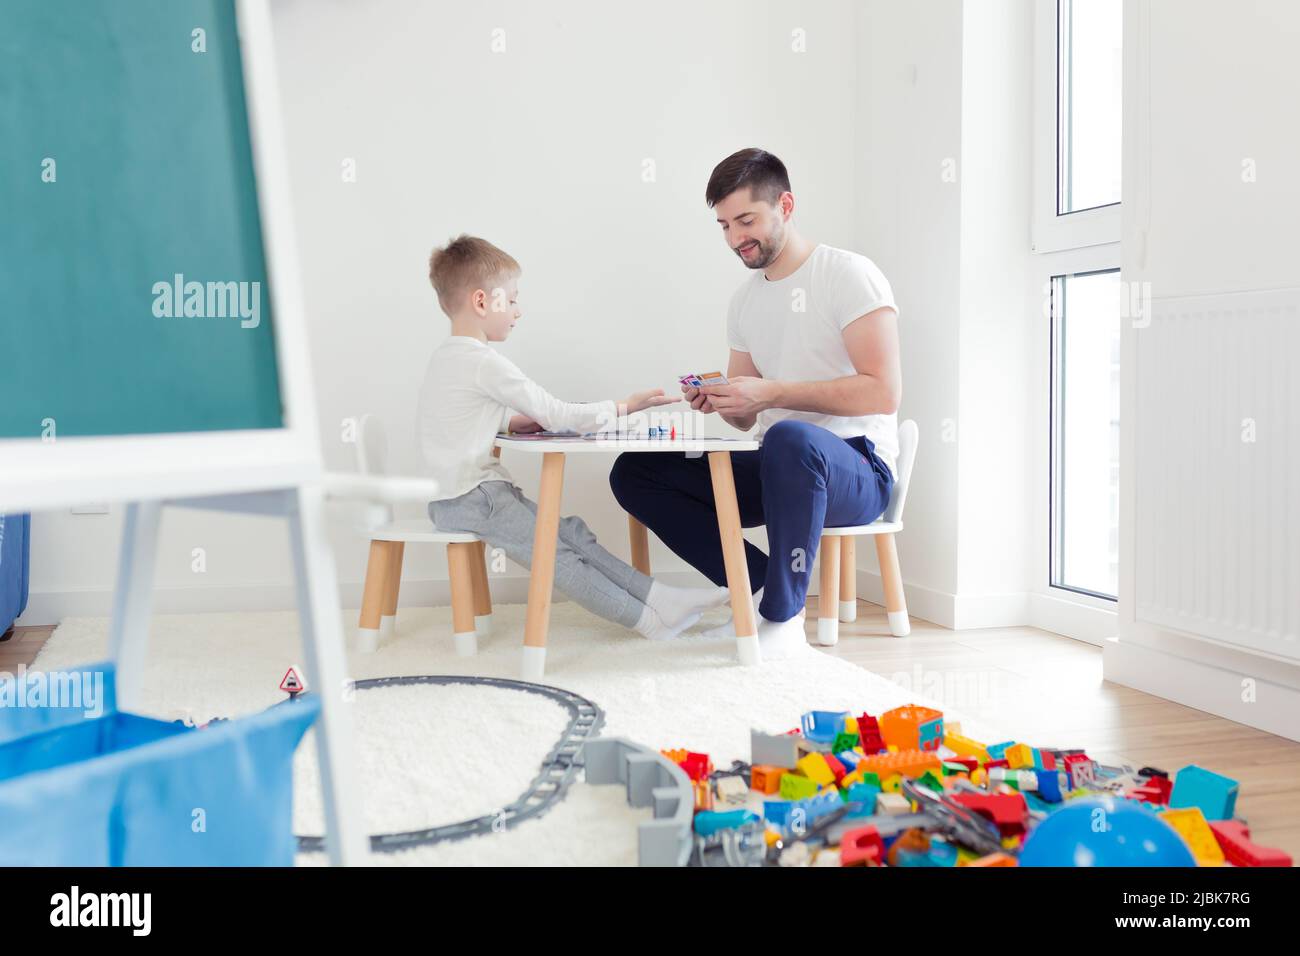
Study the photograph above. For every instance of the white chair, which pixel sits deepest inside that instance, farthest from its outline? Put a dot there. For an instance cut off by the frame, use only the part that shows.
(471, 603)
(839, 592)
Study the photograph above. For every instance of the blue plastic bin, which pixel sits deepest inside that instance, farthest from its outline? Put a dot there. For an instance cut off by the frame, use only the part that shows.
(15, 554)
(83, 784)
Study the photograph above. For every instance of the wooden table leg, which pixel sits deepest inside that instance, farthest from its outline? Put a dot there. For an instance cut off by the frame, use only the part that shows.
(828, 602)
(640, 539)
(733, 556)
(542, 576)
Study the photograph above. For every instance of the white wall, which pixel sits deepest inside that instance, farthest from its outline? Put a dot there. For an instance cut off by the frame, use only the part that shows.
(1206, 92)
(540, 149)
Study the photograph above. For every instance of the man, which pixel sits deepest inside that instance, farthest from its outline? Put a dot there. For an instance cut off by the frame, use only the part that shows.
(813, 333)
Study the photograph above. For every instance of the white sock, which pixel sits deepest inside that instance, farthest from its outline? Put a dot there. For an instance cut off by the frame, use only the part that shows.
(674, 605)
(728, 627)
(778, 640)
(651, 625)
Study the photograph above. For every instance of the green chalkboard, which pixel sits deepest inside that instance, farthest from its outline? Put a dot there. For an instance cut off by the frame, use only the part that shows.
(126, 177)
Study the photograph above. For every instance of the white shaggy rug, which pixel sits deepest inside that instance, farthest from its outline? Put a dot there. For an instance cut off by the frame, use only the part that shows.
(434, 755)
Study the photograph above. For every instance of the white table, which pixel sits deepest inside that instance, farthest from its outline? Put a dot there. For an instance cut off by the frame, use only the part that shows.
(542, 577)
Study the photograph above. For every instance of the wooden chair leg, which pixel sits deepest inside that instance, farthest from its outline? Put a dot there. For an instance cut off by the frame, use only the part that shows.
(372, 596)
(393, 584)
(828, 602)
(848, 579)
(892, 579)
(460, 568)
(482, 594)
(640, 539)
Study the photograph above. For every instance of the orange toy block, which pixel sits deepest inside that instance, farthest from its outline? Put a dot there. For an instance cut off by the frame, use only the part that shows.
(765, 779)
(908, 763)
(912, 727)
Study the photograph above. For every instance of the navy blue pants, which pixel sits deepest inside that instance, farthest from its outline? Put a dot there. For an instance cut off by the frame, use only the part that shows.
(801, 480)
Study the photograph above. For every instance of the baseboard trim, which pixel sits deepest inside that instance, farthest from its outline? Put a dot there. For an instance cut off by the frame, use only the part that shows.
(51, 607)
(1206, 687)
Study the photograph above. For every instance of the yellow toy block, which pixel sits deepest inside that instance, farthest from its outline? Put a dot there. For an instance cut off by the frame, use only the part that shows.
(965, 746)
(892, 783)
(850, 779)
(815, 768)
(1019, 756)
(978, 776)
(850, 725)
(1190, 824)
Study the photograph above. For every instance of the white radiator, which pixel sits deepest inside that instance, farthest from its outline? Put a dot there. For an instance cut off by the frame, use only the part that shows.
(1217, 469)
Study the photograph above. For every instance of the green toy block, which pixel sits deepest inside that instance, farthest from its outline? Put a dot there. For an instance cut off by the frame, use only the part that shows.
(795, 787)
(931, 780)
(844, 742)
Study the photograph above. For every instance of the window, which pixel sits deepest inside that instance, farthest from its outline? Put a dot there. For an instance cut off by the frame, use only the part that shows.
(1089, 77)
(1085, 433)
(1078, 76)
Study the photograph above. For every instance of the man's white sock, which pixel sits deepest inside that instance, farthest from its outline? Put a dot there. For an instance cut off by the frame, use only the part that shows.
(728, 627)
(778, 640)
(652, 626)
(674, 605)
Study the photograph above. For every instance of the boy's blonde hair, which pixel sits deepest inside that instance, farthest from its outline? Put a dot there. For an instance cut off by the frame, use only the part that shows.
(467, 263)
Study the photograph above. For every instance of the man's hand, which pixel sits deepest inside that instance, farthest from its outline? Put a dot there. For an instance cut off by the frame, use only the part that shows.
(742, 397)
(523, 425)
(698, 400)
(650, 398)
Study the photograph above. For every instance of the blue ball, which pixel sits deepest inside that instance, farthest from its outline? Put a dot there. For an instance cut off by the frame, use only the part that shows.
(1105, 831)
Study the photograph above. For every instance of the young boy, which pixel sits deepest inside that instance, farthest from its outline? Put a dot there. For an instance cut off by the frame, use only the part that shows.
(468, 394)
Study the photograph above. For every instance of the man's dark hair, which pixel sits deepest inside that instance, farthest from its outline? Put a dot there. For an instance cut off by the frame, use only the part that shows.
(758, 169)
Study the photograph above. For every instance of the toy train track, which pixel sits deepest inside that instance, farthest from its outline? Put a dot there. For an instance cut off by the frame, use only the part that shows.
(546, 789)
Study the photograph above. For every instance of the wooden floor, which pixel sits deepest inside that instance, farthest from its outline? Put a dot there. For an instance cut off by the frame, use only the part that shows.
(1046, 690)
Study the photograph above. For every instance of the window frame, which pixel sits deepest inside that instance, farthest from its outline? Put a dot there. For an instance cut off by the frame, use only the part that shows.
(1050, 230)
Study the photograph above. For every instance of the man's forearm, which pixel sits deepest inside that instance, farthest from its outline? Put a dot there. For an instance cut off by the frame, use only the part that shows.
(849, 396)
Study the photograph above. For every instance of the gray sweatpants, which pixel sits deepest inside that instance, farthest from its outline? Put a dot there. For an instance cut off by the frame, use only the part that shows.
(500, 514)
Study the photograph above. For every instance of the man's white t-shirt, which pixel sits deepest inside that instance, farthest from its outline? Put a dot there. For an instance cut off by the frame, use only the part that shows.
(793, 329)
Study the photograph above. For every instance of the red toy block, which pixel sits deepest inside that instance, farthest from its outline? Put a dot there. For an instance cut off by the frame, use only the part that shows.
(837, 767)
(1048, 758)
(697, 766)
(1156, 790)
(869, 734)
(997, 763)
(1007, 811)
(861, 847)
(1234, 840)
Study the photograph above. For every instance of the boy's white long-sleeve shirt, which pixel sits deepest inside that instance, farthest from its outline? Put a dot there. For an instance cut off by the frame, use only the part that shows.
(467, 398)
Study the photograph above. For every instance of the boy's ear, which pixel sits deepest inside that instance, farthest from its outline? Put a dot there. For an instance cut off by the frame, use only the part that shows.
(478, 301)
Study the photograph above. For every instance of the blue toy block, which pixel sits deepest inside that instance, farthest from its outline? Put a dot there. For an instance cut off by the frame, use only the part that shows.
(1049, 784)
(864, 793)
(777, 812)
(850, 759)
(1194, 786)
(930, 734)
(821, 726)
(709, 822)
(998, 751)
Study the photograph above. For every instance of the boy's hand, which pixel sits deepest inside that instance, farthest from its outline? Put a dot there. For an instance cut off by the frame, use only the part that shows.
(698, 400)
(523, 425)
(650, 398)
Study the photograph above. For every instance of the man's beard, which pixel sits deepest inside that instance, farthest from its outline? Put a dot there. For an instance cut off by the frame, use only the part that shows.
(767, 251)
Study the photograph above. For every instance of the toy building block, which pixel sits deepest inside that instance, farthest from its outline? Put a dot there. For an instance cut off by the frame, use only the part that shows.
(703, 794)
(821, 726)
(861, 847)
(892, 804)
(892, 783)
(1214, 794)
(711, 821)
(1081, 768)
(1050, 785)
(815, 768)
(765, 779)
(931, 780)
(1155, 791)
(1008, 812)
(773, 750)
(912, 727)
(960, 765)
(732, 790)
(836, 766)
(697, 766)
(863, 793)
(851, 725)
(909, 763)
(1191, 826)
(844, 741)
(993, 859)
(998, 751)
(869, 734)
(849, 758)
(1019, 756)
(994, 764)
(1233, 837)
(795, 787)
